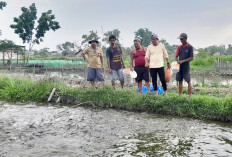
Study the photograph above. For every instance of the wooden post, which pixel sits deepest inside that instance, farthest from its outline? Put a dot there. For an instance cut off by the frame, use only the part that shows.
(58, 100)
(62, 70)
(34, 70)
(17, 58)
(3, 57)
(51, 95)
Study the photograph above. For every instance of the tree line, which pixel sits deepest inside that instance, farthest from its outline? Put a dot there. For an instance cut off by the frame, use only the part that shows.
(32, 29)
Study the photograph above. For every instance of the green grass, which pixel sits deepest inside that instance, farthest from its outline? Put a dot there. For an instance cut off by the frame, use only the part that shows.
(206, 62)
(55, 58)
(201, 107)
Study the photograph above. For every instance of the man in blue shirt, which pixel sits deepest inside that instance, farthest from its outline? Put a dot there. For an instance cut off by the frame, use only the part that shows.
(184, 54)
(115, 61)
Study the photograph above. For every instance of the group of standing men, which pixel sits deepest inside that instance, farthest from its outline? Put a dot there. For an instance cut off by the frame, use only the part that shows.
(142, 61)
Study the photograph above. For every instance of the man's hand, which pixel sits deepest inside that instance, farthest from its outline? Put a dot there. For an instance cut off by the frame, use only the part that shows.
(86, 60)
(179, 62)
(168, 65)
(147, 65)
(124, 67)
(131, 69)
(103, 69)
(110, 71)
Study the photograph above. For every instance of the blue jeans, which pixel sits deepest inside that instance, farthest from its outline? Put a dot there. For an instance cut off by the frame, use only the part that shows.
(118, 72)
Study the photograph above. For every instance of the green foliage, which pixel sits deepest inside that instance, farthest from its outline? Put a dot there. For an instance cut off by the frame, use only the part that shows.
(8, 47)
(215, 49)
(145, 35)
(16, 89)
(114, 32)
(25, 25)
(7, 44)
(199, 106)
(46, 22)
(2, 4)
(171, 49)
(68, 48)
(126, 53)
(87, 37)
(205, 61)
(43, 52)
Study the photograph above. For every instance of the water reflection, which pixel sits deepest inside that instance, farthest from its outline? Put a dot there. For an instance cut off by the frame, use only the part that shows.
(197, 79)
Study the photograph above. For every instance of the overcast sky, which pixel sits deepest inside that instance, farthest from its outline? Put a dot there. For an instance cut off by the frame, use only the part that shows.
(207, 22)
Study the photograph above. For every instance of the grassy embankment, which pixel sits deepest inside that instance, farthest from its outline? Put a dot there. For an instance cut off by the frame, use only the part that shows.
(205, 62)
(200, 106)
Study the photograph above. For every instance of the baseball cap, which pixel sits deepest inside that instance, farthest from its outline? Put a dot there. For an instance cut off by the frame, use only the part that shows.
(138, 40)
(183, 35)
(154, 36)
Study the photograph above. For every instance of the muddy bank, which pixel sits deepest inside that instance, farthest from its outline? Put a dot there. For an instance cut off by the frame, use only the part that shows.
(33, 130)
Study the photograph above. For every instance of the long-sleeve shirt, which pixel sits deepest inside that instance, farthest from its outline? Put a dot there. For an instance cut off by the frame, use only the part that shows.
(156, 54)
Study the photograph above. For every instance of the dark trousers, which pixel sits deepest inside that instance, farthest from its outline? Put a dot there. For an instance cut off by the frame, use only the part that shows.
(160, 71)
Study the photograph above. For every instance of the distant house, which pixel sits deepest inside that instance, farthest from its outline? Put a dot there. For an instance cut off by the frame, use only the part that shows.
(217, 54)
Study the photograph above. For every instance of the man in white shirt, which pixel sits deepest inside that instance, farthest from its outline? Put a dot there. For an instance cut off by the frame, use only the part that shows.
(155, 54)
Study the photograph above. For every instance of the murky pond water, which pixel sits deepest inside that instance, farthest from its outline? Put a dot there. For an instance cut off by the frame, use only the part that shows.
(32, 131)
(196, 79)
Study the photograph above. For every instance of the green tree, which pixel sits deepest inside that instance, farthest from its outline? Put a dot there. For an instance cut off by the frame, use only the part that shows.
(68, 48)
(144, 35)
(171, 49)
(214, 49)
(2, 4)
(126, 51)
(114, 32)
(229, 50)
(26, 29)
(229, 46)
(43, 52)
(87, 37)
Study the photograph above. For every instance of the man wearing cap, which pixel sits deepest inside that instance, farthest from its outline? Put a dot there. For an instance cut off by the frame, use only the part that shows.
(138, 59)
(184, 54)
(95, 62)
(156, 52)
(115, 61)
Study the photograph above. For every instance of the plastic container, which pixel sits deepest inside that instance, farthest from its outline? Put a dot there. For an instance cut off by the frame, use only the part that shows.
(168, 75)
(133, 74)
(175, 66)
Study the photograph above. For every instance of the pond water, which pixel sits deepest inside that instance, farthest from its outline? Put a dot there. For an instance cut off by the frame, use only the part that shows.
(32, 130)
(197, 79)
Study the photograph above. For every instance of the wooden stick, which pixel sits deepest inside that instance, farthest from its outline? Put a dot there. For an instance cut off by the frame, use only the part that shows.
(58, 100)
(51, 95)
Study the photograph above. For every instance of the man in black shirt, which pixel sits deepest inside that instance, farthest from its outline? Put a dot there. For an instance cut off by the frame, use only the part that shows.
(115, 61)
(184, 54)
